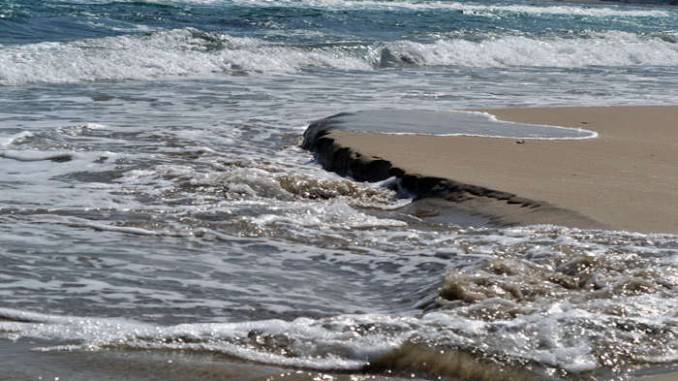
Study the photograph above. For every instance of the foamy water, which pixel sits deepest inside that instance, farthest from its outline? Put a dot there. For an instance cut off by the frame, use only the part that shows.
(191, 53)
(154, 197)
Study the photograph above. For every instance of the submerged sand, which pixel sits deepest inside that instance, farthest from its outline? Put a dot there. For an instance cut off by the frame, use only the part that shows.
(626, 179)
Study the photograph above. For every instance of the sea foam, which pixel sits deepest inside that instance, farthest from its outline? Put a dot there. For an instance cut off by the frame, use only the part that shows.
(597, 49)
(175, 53)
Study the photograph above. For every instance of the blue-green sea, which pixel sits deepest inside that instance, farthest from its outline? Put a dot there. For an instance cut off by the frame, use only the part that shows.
(154, 200)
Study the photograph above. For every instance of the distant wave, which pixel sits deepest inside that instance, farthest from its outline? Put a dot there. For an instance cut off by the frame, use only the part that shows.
(469, 8)
(192, 53)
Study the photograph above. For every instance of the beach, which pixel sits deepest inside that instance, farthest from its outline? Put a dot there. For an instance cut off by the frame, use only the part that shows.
(20, 361)
(159, 219)
(624, 179)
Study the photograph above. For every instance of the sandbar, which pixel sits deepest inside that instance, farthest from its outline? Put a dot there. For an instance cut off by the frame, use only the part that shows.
(625, 179)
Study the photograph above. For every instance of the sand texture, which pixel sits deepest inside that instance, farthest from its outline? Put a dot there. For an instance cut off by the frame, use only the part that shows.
(626, 179)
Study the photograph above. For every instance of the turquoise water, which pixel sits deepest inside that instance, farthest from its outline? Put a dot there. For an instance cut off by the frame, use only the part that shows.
(153, 195)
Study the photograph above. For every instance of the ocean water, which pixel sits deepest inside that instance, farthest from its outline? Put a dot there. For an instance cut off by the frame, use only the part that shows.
(444, 123)
(153, 197)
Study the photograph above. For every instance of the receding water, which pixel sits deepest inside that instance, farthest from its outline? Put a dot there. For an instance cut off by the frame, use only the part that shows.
(448, 123)
(153, 196)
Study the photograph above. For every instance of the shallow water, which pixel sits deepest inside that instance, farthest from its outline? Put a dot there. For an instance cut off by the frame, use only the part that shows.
(153, 196)
(448, 123)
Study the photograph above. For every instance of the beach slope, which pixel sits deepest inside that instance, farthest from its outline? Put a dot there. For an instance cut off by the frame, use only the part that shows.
(625, 179)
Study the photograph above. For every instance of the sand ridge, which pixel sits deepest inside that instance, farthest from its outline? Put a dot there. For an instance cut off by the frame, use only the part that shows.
(626, 179)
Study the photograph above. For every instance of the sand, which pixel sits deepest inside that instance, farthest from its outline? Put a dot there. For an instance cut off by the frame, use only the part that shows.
(626, 179)
(659, 377)
(20, 362)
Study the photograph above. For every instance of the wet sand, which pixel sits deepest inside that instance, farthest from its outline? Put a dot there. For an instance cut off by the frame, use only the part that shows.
(20, 361)
(626, 179)
(659, 377)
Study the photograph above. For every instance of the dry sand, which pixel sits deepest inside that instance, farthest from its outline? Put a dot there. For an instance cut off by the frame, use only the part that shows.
(626, 179)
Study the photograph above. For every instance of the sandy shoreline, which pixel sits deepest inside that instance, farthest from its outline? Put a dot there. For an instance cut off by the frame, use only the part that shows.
(659, 377)
(19, 361)
(626, 179)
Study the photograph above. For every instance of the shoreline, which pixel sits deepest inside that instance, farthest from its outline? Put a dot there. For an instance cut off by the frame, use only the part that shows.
(21, 361)
(622, 180)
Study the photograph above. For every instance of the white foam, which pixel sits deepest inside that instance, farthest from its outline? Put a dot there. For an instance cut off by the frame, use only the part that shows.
(597, 49)
(318, 344)
(493, 118)
(15, 139)
(176, 53)
(557, 327)
(563, 336)
(325, 216)
(455, 123)
(93, 126)
(190, 53)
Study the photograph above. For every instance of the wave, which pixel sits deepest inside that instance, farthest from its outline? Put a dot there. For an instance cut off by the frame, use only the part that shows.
(193, 53)
(467, 8)
(175, 53)
(575, 302)
(488, 320)
(599, 49)
(302, 342)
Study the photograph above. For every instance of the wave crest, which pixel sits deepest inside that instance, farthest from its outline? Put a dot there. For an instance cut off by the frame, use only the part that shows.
(193, 53)
(601, 49)
(174, 53)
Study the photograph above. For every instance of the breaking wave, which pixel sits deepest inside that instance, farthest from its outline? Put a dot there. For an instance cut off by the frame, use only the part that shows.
(175, 53)
(192, 53)
(601, 49)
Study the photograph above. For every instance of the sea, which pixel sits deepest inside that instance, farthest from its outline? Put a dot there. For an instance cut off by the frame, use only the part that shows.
(157, 211)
